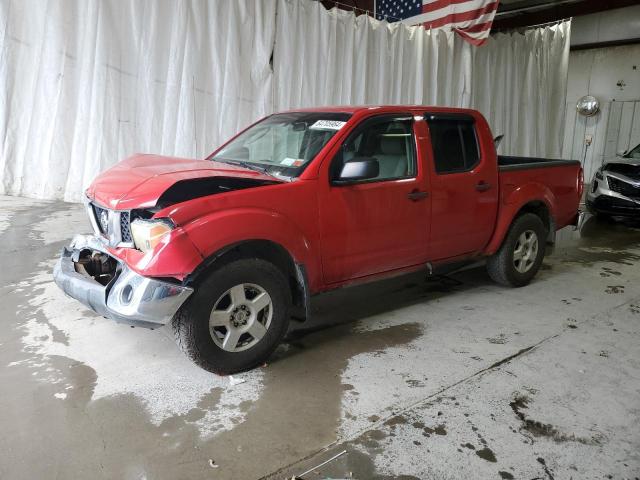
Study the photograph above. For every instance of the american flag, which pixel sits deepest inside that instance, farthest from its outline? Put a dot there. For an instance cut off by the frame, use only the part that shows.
(471, 19)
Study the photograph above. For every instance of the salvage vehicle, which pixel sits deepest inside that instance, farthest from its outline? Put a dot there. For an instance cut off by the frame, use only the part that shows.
(227, 250)
(615, 188)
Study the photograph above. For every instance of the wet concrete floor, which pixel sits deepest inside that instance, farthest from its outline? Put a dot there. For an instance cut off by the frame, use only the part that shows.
(446, 378)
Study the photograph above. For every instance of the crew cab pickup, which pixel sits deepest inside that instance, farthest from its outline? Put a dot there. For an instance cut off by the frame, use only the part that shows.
(230, 248)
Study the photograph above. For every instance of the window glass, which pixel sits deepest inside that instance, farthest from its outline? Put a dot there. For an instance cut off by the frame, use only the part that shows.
(455, 148)
(283, 144)
(635, 153)
(388, 140)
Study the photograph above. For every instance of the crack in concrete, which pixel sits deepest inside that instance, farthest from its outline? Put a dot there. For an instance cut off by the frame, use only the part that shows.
(427, 399)
(420, 402)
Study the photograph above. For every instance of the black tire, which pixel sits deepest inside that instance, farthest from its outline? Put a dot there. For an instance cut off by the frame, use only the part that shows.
(500, 266)
(191, 322)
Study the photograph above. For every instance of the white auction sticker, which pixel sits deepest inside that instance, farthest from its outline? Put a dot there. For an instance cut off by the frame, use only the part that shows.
(327, 125)
(292, 162)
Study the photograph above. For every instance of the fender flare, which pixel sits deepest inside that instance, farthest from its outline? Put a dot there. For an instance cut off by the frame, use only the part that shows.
(266, 228)
(532, 197)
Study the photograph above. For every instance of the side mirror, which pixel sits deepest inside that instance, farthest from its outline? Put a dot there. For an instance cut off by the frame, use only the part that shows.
(622, 153)
(498, 140)
(358, 168)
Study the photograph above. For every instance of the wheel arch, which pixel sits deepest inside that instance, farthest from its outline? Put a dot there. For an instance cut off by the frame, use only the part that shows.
(539, 207)
(269, 251)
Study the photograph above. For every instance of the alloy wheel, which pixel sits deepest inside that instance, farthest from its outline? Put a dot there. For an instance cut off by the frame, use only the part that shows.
(241, 317)
(526, 251)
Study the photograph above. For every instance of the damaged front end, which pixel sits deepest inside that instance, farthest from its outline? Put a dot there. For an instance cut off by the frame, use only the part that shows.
(88, 273)
(100, 270)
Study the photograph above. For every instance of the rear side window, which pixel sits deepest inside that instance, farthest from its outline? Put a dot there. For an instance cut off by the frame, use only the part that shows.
(454, 142)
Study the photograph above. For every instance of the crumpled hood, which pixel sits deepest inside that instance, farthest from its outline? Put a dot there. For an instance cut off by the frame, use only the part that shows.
(140, 180)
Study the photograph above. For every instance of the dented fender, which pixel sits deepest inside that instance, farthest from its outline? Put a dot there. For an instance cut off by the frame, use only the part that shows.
(175, 257)
(216, 231)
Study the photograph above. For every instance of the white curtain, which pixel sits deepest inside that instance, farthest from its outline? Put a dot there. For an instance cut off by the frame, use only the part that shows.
(518, 81)
(86, 83)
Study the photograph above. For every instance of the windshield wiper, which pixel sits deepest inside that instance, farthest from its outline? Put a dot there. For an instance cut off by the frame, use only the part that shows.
(251, 166)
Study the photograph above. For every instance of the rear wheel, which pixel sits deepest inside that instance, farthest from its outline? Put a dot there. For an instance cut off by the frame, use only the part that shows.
(236, 317)
(521, 254)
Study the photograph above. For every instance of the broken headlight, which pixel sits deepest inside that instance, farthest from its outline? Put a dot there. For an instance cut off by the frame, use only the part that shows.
(147, 234)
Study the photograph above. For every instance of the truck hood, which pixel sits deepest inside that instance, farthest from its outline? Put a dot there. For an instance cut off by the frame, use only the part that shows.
(141, 181)
(628, 168)
(623, 160)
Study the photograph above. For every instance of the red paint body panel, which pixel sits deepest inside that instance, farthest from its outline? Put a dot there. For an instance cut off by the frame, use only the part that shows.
(463, 218)
(370, 228)
(560, 188)
(285, 214)
(341, 234)
(138, 181)
(176, 257)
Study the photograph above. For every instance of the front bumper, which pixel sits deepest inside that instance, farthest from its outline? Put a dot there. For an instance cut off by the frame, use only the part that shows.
(128, 297)
(613, 206)
(601, 199)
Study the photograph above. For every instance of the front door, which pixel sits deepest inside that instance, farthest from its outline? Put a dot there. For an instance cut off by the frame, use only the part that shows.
(380, 224)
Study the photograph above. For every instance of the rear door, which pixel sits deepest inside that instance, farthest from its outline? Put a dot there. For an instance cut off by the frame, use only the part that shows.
(464, 186)
(381, 224)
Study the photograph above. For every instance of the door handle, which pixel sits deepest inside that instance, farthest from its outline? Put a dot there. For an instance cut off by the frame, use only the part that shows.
(416, 195)
(483, 186)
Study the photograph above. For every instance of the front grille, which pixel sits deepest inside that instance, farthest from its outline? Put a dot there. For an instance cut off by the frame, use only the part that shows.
(125, 223)
(102, 218)
(626, 169)
(623, 188)
(105, 221)
(125, 227)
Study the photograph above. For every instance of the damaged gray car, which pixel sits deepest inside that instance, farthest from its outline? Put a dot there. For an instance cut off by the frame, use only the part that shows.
(615, 188)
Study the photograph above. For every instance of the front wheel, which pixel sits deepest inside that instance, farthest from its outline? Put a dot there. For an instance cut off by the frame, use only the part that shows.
(521, 254)
(236, 317)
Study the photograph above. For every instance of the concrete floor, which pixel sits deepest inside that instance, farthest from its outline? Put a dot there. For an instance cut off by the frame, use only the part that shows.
(456, 378)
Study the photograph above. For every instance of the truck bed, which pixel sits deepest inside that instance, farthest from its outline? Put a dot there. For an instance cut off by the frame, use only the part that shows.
(558, 177)
(510, 162)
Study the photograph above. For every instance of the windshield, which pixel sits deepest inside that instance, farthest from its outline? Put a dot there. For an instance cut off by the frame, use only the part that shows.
(635, 153)
(283, 144)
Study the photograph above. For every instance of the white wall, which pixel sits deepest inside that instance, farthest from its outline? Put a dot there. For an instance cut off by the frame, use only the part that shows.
(617, 126)
(596, 71)
(606, 26)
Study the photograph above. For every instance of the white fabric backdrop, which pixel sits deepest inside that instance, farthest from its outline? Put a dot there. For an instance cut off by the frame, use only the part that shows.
(518, 81)
(83, 84)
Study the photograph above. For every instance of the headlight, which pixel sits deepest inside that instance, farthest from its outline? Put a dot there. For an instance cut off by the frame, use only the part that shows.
(148, 233)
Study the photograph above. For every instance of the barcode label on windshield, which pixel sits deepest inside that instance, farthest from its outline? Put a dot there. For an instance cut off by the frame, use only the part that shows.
(327, 125)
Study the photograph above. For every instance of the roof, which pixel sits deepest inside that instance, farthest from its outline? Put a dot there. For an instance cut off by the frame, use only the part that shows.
(386, 108)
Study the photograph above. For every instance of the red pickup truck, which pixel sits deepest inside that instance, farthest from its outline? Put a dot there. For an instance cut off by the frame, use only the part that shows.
(229, 249)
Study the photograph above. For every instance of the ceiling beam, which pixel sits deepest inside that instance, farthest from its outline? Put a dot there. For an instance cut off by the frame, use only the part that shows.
(535, 12)
(358, 6)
